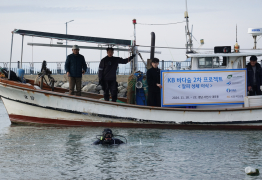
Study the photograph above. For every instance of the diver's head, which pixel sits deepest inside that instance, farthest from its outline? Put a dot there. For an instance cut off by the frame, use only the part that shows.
(107, 134)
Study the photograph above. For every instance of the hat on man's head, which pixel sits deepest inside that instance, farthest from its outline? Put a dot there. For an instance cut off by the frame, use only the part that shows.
(253, 58)
(155, 60)
(75, 47)
(109, 48)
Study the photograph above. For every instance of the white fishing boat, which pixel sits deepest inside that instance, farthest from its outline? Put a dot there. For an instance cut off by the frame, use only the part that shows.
(40, 104)
(27, 105)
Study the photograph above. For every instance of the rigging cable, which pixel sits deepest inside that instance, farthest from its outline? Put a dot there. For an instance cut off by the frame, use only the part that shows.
(185, 48)
(162, 47)
(161, 24)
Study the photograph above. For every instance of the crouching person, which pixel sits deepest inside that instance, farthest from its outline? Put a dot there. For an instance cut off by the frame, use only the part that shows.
(154, 86)
(75, 66)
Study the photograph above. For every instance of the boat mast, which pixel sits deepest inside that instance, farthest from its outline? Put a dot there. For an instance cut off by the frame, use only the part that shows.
(134, 63)
(11, 55)
(189, 42)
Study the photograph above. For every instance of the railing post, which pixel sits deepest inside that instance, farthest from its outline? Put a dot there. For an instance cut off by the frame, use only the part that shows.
(163, 65)
(58, 68)
(88, 68)
(31, 68)
(5, 65)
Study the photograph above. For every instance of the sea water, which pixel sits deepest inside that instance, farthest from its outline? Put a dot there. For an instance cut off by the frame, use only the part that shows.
(30, 152)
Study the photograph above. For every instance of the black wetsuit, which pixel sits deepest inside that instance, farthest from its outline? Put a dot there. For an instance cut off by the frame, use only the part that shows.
(107, 75)
(153, 78)
(113, 141)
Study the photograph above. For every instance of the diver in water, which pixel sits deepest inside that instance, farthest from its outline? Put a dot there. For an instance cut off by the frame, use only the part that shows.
(107, 139)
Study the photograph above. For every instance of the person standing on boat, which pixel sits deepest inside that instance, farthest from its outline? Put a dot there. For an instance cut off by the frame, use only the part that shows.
(254, 77)
(75, 66)
(107, 73)
(154, 86)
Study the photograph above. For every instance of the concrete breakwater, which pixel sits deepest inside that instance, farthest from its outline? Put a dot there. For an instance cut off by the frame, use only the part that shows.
(89, 83)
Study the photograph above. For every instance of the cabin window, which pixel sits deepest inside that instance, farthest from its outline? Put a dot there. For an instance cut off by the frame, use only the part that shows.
(216, 63)
(212, 62)
(205, 62)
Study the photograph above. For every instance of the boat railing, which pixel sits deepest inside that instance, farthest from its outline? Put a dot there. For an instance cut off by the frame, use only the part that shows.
(32, 68)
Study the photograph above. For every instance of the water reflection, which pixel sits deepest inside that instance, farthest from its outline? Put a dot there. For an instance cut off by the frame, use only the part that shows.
(67, 153)
(108, 161)
(74, 150)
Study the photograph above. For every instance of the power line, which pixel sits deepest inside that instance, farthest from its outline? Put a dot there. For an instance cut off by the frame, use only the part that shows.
(161, 24)
(185, 48)
(169, 47)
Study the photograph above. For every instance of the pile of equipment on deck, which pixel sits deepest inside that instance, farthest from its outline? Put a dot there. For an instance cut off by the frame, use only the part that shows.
(13, 76)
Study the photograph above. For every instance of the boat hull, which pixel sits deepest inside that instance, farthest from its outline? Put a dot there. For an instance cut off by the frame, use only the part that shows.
(31, 106)
(26, 120)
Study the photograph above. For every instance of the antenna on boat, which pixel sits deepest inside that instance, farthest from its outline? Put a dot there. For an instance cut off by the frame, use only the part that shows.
(236, 32)
(189, 42)
(236, 47)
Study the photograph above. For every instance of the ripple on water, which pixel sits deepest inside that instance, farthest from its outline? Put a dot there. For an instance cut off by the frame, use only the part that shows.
(67, 153)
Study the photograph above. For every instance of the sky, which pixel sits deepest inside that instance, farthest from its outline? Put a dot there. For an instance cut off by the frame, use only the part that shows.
(214, 21)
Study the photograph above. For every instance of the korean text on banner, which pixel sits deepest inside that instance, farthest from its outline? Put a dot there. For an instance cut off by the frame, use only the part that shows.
(203, 87)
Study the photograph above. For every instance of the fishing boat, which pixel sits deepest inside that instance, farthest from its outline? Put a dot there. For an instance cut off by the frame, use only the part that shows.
(34, 103)
(27, 104)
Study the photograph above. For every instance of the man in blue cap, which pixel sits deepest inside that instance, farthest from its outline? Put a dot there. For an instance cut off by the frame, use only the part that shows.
(75, 66)
(254, 77)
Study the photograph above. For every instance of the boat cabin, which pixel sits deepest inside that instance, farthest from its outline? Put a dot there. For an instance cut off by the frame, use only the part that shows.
(219, 60)
(211, 60)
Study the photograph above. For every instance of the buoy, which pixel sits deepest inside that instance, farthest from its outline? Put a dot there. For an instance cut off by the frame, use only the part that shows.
(251, 171)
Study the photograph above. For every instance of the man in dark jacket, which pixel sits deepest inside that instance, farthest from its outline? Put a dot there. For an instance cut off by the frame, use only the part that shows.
(107, 73)
(107, 139)
(254, 77)
(154, 86)
(75, 66)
